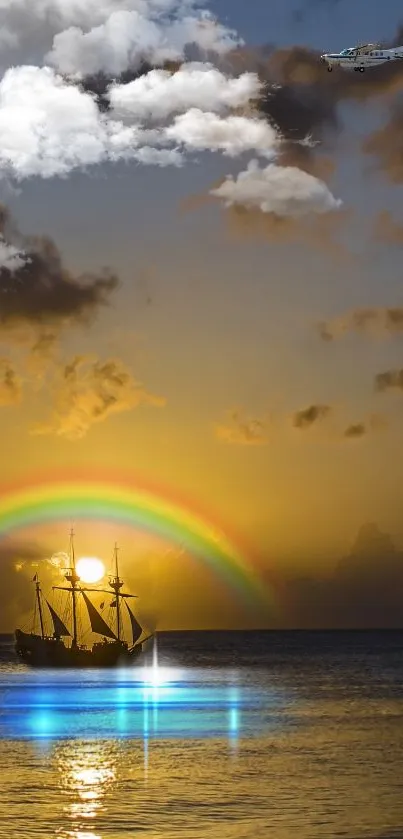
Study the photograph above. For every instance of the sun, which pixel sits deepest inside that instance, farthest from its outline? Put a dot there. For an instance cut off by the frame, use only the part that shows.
(90, 569)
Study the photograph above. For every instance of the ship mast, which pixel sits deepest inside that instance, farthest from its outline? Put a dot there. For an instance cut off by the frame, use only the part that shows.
(116, 584)
(98, 625)
(38, 600)
(73, 578)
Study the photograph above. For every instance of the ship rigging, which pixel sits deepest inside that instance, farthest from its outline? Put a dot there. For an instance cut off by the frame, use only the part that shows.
(51, 650)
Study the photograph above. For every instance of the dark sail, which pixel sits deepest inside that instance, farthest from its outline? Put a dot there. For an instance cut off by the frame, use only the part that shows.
(58, 625)
(40, 649)
(97, 622)
(136, 628)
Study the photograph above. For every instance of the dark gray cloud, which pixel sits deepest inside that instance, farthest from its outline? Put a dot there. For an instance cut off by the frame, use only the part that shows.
(389, 380)
(298, 110)
(374, 321)
(373, 424)
(38, 289)
(310, 416)
(355, 431)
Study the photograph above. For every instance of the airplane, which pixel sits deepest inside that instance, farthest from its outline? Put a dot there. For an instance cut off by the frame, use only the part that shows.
(362, 57)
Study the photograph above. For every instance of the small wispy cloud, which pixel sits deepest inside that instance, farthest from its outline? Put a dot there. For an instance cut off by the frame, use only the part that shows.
(243, 430)
(10, 383)
(312, 415)
(88, 391)
(389, 380)
(374, 321)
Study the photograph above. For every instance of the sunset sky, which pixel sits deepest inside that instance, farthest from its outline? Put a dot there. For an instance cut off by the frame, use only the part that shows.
(248, 356)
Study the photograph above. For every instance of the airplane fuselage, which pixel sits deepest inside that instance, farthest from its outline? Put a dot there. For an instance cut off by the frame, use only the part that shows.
(361, 58)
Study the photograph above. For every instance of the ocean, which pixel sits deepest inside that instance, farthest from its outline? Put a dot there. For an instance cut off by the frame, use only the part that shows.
(219, 735)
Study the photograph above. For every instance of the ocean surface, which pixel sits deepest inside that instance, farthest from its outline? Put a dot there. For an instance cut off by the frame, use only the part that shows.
(272, 735)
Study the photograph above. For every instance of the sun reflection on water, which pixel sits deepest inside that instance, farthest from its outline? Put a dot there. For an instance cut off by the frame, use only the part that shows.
(79, 834)
(87, 775)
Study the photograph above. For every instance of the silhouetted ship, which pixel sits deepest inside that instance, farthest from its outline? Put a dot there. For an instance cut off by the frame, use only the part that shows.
(45, 650)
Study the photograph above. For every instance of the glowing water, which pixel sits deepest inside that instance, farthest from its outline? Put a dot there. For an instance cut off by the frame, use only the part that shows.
(219, 737)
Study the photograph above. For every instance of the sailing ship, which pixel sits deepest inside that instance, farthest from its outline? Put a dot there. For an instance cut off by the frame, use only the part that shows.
(54, 650)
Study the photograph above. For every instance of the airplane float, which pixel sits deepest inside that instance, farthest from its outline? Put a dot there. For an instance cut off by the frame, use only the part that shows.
(362, 57)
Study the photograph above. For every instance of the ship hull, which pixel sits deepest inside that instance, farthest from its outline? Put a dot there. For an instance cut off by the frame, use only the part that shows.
(36, 651)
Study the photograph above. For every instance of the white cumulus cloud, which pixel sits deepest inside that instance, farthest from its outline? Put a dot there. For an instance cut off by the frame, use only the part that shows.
(51, 124)
(89, 13)
(283, 190)
(232, 135)
(128, 37)
(160, 93)
(123, 41)
(49, 127)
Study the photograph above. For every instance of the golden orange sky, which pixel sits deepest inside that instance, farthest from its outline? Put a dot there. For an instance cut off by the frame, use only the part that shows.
(246, 359)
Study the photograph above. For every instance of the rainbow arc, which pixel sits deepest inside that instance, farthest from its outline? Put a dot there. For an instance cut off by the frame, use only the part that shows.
(138, 505)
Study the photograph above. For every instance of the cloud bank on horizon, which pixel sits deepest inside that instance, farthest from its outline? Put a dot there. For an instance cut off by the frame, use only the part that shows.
(164, 97)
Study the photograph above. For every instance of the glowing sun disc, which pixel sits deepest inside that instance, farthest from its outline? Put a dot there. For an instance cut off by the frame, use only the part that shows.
(90, 569)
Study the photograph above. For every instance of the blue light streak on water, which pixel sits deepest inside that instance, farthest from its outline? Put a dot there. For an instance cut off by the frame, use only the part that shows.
(153, 703)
